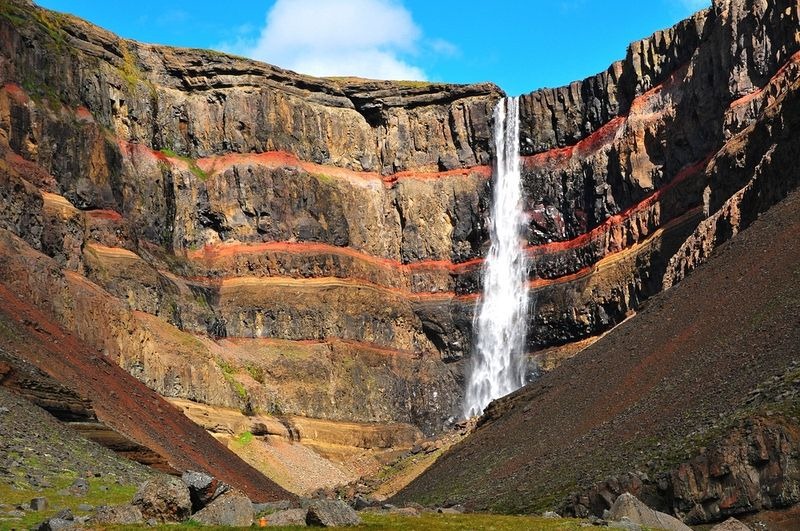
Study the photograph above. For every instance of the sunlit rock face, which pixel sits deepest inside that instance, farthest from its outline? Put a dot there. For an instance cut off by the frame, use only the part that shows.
(272, 242)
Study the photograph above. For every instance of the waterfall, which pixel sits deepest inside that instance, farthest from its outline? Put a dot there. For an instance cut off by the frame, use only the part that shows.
(498, 365)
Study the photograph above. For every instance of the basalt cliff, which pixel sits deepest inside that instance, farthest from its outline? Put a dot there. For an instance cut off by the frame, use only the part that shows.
(308, 251)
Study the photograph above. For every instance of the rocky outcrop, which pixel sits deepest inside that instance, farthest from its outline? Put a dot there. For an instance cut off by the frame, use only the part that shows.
(648, 155)
(237, 223)
(753, 468)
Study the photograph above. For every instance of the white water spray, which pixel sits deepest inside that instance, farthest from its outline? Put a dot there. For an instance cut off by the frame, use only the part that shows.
(498, 366)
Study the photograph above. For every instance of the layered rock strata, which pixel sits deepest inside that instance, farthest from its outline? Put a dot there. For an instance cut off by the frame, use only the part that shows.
(272, 242)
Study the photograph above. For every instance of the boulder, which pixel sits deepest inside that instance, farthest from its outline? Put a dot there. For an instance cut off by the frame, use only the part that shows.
(203, 488)
(164, 499)
(233, 509)
(118, 515)
(79, 487)
(55, 524)
(38, 504)
(331, 513)
(64, 519)
(288, 517)
(731, 524)
(360, 502)
(628, 506)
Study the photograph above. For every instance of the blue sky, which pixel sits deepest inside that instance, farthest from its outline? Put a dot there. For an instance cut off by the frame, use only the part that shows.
(520, 45)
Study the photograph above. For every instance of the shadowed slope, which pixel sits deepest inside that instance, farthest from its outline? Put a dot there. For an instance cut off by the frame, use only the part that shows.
(650, 393)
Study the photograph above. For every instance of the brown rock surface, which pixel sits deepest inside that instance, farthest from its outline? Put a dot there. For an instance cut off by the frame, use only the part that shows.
(232, 509)
(117, 515)
(163, 499)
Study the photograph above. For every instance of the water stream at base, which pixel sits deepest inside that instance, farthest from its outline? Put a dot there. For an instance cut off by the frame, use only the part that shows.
(498, 365)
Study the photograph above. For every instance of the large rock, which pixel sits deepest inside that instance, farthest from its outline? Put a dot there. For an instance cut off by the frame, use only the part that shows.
(289, 517)
(628, 506)
(64, 519)
(118, 515)
(232, 508)
(79, 487)
(731, 524)
(38, 504)
(331, 513)
(203, 488)
(165, 499)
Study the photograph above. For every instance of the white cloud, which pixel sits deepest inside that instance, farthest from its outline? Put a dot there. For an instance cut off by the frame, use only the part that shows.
(365, 38)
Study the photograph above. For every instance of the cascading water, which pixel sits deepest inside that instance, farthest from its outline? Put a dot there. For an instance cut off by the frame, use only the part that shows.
(498, 367)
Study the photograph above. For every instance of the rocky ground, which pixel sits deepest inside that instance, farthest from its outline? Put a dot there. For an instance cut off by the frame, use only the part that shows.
(708, 370)
(42, 457)
(36, 449)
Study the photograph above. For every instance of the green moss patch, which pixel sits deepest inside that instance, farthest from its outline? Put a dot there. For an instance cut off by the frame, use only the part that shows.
(196, 170)
(102, 491)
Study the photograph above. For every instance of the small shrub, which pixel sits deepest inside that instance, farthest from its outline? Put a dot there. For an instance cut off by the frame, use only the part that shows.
(245, 438)
(196, 170)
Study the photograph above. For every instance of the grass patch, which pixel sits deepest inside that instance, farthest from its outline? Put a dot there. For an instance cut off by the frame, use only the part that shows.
(42, 92)
(322, 178)
(129, 71)
(414, 84)
(256, 372)
(201, 301)
(403, 83)
(241, 390)
(102, 491)
(245, 438)
(50, 22)
(229, 372)
(12, 13)
(196, 170)
(227, 368)
(437, 522)
(429, 522)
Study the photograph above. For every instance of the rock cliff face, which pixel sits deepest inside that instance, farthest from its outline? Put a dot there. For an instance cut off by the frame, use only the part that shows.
(255, 238)
(244, 236)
